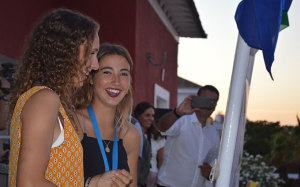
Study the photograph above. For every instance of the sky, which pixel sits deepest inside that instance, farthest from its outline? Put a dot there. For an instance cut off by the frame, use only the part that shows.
(210, 61)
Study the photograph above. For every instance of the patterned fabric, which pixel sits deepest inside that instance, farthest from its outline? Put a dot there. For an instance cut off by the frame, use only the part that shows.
(65, 167)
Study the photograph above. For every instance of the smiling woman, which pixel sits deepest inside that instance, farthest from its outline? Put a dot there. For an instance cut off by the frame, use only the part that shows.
(153, 146)
(110, 142)
(113, 68)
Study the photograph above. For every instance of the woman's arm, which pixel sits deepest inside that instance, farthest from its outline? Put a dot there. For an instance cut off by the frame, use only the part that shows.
(160, 157)
(132, 146)
(39, 120)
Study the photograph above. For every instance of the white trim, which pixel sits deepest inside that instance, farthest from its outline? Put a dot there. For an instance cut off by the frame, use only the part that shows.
(161, 14)
(161, 94)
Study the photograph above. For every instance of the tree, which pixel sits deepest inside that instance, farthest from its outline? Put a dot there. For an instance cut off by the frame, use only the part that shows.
(285, 150)
(279, 145)
(258, 136)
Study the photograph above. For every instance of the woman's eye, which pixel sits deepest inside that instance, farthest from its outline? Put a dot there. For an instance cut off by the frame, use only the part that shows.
(124, 74)
(106, 72)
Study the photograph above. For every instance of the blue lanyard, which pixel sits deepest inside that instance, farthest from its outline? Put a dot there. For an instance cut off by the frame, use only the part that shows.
(98, 135)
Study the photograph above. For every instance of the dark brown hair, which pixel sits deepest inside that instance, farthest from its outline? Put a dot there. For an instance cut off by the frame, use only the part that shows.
(139, 110)
(51, 56)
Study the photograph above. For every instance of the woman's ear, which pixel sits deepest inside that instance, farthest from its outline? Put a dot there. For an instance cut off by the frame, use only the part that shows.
(91, 82)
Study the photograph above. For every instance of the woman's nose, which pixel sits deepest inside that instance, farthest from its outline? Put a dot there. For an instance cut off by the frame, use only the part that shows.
(94, 64)
(116, 79)
(152, 118)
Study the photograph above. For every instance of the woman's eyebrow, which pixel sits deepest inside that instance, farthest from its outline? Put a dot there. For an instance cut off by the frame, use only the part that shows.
(125, 69)
(106, 68)
(110, 68)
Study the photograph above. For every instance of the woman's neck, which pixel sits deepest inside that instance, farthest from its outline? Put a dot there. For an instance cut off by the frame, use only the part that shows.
(144, 130)
(105, 115)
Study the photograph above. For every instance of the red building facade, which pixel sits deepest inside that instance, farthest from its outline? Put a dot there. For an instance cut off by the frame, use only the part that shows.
(133, 24)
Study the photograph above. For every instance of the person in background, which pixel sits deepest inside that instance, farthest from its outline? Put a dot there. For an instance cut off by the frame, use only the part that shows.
(218, 123)
(192, 143)
(144, 112)
(4, 97)
(45, 148)
(4, 84)
(110, 142)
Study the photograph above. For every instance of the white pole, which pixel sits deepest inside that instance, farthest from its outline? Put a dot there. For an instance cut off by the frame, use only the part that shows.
(233, 111)
(238, 152)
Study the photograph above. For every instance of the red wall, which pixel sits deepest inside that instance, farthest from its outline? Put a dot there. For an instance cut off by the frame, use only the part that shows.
(16, 21)
(116, 19)
(133, 24)
(152, 36)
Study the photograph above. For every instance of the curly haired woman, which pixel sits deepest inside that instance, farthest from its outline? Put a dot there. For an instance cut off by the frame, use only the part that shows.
(45, 148)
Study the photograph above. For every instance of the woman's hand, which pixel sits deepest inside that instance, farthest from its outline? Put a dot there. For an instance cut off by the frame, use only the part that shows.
(113, 178)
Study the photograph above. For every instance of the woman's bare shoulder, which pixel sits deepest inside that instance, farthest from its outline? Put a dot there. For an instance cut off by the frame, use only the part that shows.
(131, 132)
(45, 95)
(42, 104)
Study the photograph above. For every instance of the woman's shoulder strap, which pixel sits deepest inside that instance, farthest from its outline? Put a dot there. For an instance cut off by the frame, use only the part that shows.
(26, 95)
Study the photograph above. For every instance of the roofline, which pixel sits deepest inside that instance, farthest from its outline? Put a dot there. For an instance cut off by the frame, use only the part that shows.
(161, 14)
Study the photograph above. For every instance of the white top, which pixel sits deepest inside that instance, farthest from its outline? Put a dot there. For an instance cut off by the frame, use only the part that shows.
(60, 138)
(155, 146)
(188, 145)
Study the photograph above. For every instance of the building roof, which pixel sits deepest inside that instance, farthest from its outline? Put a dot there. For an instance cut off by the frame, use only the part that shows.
(184, 17)
(183, 83)
(5, 59)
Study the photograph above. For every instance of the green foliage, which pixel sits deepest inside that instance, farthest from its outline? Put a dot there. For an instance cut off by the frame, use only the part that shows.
(285, 146)
(258, 136)
(278, 145)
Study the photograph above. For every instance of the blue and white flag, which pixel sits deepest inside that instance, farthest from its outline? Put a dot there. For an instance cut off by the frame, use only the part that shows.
(259, 22)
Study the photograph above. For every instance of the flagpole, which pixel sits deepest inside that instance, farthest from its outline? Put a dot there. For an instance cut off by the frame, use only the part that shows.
(233, 111)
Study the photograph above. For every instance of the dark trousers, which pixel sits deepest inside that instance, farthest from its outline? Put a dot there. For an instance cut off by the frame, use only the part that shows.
(160, 185)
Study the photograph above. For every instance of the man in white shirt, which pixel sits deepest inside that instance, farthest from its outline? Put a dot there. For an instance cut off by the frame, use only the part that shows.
(192, 143)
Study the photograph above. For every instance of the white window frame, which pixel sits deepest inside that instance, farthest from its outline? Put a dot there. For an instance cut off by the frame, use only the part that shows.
(161, 93)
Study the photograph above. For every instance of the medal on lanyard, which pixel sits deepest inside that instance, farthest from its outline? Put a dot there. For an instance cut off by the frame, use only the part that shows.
(100, 143)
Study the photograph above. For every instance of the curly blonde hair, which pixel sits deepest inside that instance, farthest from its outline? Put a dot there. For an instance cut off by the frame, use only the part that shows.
(51, 56)
(85, 95)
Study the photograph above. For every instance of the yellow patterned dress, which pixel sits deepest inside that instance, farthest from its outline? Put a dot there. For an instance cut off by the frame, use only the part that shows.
(65, 167)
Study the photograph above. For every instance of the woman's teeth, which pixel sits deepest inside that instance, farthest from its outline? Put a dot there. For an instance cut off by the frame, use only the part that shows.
(113, 91)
